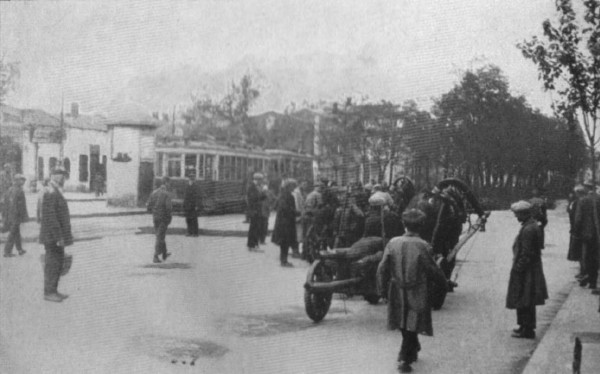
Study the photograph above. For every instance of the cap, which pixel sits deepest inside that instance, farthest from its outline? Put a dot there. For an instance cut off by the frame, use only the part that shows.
(520, 206)
(579, 188)
(413, 216)
(377, 200)
(257, 176)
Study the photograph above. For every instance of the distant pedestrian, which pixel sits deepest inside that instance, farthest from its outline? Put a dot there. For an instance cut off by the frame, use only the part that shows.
(527, 284)
(299, 194)
(265, 212)
(161, 207)
(539, 212)
(255, 196)
(55, 234)
(587, 228)
(191, 203)
(404, 276)
(99, 184)
(284, 232)
(16, 213)
(575, 244)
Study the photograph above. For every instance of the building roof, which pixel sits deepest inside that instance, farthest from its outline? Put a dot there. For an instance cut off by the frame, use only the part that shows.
(37, 117)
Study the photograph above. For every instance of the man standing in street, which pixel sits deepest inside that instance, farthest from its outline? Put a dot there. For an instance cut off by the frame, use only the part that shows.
(255, 198)
(526, 285)
(55, 234)
(190, 206)
(587, 228)
(161, 207)
(404, 276)
(16, 213)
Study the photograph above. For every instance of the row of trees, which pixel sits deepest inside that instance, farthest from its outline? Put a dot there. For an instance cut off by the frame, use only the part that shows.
(477, 131)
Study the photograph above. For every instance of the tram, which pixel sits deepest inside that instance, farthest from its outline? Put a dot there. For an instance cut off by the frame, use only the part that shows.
(223, 172)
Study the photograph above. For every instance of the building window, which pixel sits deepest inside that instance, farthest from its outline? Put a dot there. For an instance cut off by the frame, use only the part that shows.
(159, 163)
(40, 168)
(67, 166)
(83, 168)
(52, 164)
(200, 167)
(174, 166)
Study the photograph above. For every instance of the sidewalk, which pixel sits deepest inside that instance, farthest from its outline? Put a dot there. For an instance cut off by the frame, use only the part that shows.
(578, 317)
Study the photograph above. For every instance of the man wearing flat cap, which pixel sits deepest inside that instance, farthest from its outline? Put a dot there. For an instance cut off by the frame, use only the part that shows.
(15, 214)
(55, 233)
(587, 228)
(526, 285)
(404, 276)
(255, 197)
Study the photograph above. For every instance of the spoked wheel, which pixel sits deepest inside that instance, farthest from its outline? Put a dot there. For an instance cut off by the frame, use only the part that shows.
(312, 245)
(317, 303)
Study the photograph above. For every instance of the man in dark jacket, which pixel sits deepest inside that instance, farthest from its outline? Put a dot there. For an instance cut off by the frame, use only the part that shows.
(191, 201)
(255, 196)
(55, 234)
(527, 285)
(587, 227)
(16, 213)
(539, 211)
(161, 207)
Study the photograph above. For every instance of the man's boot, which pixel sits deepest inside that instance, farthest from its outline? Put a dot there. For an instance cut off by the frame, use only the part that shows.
(156, 260)
(53, 297)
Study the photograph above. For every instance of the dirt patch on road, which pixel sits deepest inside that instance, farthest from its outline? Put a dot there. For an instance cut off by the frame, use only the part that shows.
(178, 350)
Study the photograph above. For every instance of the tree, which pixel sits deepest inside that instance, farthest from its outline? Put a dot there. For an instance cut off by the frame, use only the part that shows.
(568, 62)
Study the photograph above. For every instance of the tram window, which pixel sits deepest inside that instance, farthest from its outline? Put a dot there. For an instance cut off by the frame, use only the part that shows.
(174, 166)
(244, 168)
(159, 164)
(200, 167)
(208, 167)
(190, 165)
(239, 171)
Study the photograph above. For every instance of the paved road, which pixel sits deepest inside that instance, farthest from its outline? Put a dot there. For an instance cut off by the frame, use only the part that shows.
(225, 310)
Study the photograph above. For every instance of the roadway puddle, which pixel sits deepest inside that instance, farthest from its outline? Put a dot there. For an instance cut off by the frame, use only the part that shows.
(178, 350)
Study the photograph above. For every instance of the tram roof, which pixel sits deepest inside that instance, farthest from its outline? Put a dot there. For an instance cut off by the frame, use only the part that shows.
(284, 152)
(196, 147)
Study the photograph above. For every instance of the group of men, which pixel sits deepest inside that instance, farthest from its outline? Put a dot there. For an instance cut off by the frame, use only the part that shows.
(55, 227)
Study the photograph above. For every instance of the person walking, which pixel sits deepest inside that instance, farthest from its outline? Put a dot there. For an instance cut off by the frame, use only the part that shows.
(299, 194)
(191, 202)
(161, 207)
(284, 232)
(55, 234)
(526, 285)
(16, 213)
(255, 197)
(587, 228)
(404, 276)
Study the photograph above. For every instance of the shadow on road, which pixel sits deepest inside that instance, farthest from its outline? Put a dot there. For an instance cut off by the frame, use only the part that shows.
(168, 266)
(146, 230)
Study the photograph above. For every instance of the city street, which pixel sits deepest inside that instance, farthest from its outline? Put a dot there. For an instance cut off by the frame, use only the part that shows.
(214, 307)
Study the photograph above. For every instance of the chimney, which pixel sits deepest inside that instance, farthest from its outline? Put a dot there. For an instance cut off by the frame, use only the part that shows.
(74, 110)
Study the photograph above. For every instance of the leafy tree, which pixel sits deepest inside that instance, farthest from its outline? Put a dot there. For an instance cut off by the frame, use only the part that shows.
(568, 62)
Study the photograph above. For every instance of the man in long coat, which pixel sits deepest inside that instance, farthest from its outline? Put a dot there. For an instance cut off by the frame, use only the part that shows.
(587, 228)
(409, 269)
(255, 196)
(526, 285)
(284, 232)
(574, 253)
(55, 234)
(161, 206)
(191, 201)
(16, 213)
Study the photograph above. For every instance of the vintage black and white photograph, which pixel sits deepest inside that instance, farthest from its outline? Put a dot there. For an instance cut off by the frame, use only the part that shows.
(303, 187)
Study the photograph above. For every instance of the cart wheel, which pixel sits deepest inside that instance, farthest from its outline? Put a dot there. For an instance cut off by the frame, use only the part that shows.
(317, 303)
(372, 299)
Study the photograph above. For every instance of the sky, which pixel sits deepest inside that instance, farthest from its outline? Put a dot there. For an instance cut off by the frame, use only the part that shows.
(155, 54)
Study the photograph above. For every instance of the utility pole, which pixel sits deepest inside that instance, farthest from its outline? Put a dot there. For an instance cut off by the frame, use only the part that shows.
(62, 129)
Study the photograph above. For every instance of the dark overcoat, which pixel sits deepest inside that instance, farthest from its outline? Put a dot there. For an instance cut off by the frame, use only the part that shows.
(191, 200)
(527, 284)
(16, 207)
(409, 269)
(255, 197)
(284, 232)
(585, 220)
(55, 221)
(574, 253)
(161, 206)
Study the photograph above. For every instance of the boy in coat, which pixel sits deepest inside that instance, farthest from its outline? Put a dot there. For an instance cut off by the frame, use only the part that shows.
(409, 269)
(526, 285)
